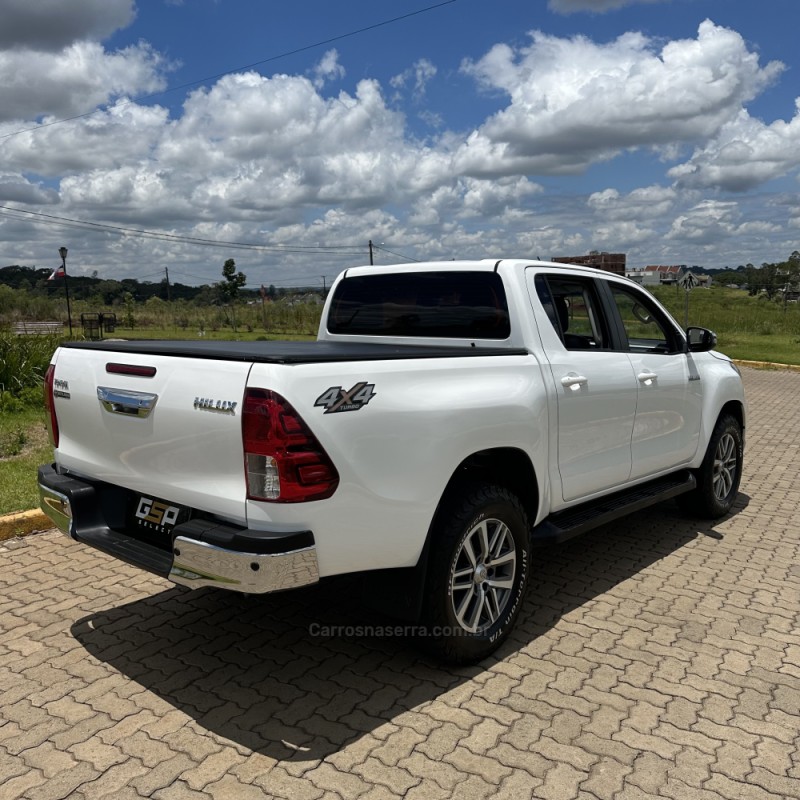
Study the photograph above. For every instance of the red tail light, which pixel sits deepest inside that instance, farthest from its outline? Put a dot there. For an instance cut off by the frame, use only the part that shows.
(50, 406)
(284, 462)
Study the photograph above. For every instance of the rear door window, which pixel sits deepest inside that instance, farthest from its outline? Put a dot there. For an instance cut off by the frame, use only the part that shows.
(646, 329)
(574, 310)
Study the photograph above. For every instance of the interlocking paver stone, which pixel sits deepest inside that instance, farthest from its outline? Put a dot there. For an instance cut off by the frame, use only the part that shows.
(656, 658)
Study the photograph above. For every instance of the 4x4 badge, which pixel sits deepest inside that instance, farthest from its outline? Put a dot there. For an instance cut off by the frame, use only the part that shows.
(337, 399)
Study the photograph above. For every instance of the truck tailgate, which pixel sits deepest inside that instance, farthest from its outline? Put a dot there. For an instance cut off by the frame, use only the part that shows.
(177, 426)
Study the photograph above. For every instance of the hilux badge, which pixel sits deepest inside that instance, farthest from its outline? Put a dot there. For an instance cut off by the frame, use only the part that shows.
(208, 404)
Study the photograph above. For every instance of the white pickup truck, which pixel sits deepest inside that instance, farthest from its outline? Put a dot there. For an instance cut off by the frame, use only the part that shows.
(450, 418)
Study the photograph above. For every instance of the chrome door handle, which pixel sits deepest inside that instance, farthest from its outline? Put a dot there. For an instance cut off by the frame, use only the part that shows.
(646, 377)
(124, 401)
(573, 382)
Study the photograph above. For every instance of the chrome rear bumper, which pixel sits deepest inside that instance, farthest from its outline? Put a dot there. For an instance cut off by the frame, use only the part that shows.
(201, 552)
(198, 564)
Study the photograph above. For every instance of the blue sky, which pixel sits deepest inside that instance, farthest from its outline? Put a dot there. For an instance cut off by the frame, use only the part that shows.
(666, 129)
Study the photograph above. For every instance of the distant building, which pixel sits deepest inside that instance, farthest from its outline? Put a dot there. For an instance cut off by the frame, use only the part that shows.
(657, 274)
(635, 274)
(610, 262)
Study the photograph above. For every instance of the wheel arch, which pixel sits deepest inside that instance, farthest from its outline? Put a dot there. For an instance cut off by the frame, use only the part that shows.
(736, 409)
(508, 467)
(400, 592)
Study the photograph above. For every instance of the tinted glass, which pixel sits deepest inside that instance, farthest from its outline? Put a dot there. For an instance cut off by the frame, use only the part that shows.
(573, 309)
(463, 305)
(646, 332)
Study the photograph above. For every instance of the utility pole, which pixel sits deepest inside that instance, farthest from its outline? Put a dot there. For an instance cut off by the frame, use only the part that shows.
(324, 289)
(62, 251)
(166, 272)
(263, 292)
(371, 261)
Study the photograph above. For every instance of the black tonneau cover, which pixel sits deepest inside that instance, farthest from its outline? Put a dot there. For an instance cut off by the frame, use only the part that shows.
(292, 352)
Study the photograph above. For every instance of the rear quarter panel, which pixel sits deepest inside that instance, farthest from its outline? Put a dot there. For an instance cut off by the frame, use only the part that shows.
(396, 454)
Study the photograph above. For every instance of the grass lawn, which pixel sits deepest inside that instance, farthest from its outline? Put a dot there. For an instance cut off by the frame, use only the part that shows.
(775, 348)
(23, 447)
(750, 328)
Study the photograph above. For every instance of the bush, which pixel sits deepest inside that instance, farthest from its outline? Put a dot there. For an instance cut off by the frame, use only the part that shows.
(23, 362)
(765, 328)
(12, 443)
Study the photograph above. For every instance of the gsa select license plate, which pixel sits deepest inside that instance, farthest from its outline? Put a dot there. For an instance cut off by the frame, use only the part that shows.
(159, 516)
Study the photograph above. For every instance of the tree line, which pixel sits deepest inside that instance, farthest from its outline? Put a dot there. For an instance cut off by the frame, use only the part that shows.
(771, 279)
(110, 292)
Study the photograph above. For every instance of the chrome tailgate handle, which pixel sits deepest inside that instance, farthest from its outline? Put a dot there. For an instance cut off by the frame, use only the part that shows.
(125, 401)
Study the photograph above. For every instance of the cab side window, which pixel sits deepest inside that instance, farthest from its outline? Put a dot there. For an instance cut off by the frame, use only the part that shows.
(573, 308)
(646, 330)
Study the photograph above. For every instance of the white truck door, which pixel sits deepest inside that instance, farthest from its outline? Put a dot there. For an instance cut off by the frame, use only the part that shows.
(667, 428)
(595, 387)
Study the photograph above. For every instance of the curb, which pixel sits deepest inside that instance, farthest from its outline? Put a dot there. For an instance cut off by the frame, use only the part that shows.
(23, 522)
(766, 365)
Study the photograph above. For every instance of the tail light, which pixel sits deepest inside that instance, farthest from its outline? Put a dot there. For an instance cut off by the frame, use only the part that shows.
(284, 462)
(50, 406)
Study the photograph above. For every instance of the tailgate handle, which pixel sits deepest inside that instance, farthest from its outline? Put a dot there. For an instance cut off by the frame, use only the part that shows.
(124, 401)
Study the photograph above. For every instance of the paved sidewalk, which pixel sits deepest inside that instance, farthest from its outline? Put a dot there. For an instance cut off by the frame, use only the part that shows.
(657, 657)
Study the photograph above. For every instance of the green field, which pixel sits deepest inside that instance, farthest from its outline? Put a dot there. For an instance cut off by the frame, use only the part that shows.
(748, 328)
(23, 447)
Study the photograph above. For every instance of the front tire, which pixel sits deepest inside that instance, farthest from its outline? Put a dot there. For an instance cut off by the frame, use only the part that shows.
(478, 573)
(720, 473)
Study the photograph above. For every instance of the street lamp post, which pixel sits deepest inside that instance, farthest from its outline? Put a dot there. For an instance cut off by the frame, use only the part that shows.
(62, 251)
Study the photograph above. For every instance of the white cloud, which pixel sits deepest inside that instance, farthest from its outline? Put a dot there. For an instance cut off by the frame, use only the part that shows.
(328, 69)
(706, 223)
(124, 134)
(51, 25)
(469, 198)
(595, 6)
(18, 189)
(283, 160)
(74, 80)
(746, 153)
(621, 236)
(646, 203)
(417, 76)
(574, 102)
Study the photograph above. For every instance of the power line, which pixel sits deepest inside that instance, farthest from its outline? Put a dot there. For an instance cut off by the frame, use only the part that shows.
(219, 75)
(40, 218)
(399, 255)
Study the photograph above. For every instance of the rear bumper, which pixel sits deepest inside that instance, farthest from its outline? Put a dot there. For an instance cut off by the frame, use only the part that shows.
(201, 552)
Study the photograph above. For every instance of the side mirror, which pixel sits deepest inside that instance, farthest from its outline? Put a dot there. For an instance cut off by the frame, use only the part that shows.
(642, 314)
(700, 340)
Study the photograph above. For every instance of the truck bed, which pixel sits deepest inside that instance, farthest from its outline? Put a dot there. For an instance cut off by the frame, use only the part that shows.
(281, 352)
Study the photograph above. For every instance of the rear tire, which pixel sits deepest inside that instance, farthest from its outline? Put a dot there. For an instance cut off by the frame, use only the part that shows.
(720, 473)
(477, 576)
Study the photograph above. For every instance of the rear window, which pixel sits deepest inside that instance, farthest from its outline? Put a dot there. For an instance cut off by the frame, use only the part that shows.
(459, 305)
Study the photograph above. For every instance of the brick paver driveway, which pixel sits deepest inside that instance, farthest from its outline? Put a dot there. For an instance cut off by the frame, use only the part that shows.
(657, 657)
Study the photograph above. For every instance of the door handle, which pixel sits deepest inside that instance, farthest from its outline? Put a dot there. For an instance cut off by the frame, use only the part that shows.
(573, 382)
(646, 377)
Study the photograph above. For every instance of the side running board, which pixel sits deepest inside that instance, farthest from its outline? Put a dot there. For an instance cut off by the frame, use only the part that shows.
(571, 522)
